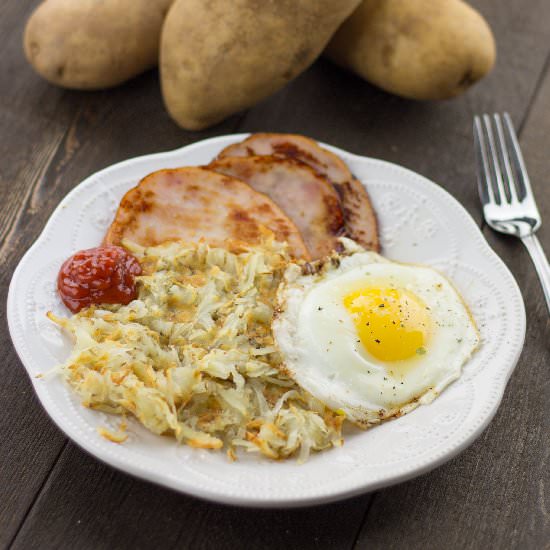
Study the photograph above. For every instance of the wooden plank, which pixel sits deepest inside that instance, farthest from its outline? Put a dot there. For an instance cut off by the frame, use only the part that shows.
(51, 139)
(88, 505)
(496, 494)
(30, 137)
(94, 130)
(103, 128)
(46, 518)
(85, 504)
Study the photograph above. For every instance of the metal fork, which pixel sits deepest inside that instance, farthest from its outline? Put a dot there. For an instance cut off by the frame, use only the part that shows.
(505, 191)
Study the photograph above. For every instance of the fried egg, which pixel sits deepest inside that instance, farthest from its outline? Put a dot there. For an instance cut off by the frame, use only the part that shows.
(372, 338)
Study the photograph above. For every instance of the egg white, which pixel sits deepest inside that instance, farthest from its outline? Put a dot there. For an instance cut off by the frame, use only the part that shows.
(323, 353)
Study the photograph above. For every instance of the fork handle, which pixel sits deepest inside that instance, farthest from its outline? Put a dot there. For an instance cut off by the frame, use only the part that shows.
(541, 264)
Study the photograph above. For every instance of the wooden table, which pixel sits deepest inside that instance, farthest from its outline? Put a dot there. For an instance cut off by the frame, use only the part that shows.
(496, 494)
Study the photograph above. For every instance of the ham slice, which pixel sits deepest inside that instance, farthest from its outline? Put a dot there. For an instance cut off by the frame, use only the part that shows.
(359, 214)
(195, 203)
(307, 198)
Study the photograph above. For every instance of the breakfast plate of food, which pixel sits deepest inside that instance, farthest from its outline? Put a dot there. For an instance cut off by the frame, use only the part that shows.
(265, 320)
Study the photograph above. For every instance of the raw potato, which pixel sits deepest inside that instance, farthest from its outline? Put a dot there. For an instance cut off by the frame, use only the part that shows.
(420, 49)
(219, 57)
(92, 44)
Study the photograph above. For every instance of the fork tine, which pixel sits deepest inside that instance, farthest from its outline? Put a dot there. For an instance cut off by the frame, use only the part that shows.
(501, 198)
(524, 186)
(510, 180)
(485, 187)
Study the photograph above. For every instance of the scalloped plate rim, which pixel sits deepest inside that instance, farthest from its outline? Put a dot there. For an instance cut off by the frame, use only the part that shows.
(144, 472)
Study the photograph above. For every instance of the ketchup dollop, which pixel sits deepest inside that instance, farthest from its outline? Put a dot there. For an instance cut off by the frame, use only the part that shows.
(102, 275)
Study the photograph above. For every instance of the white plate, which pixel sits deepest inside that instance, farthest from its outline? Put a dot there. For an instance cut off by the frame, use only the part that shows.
(419, 222)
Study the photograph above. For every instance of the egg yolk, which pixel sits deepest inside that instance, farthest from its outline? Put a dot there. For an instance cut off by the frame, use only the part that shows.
(392, 324)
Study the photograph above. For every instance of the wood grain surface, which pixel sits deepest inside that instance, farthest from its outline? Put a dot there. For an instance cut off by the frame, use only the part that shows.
(494, 495)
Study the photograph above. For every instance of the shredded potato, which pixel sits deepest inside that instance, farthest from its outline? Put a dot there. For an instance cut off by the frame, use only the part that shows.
(194, 357)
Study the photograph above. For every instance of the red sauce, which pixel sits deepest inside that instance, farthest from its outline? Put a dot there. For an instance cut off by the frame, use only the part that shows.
(103, 275)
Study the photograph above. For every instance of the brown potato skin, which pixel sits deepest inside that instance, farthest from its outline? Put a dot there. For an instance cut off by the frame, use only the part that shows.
(93, 44)
(219, 57)
(418, 49)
